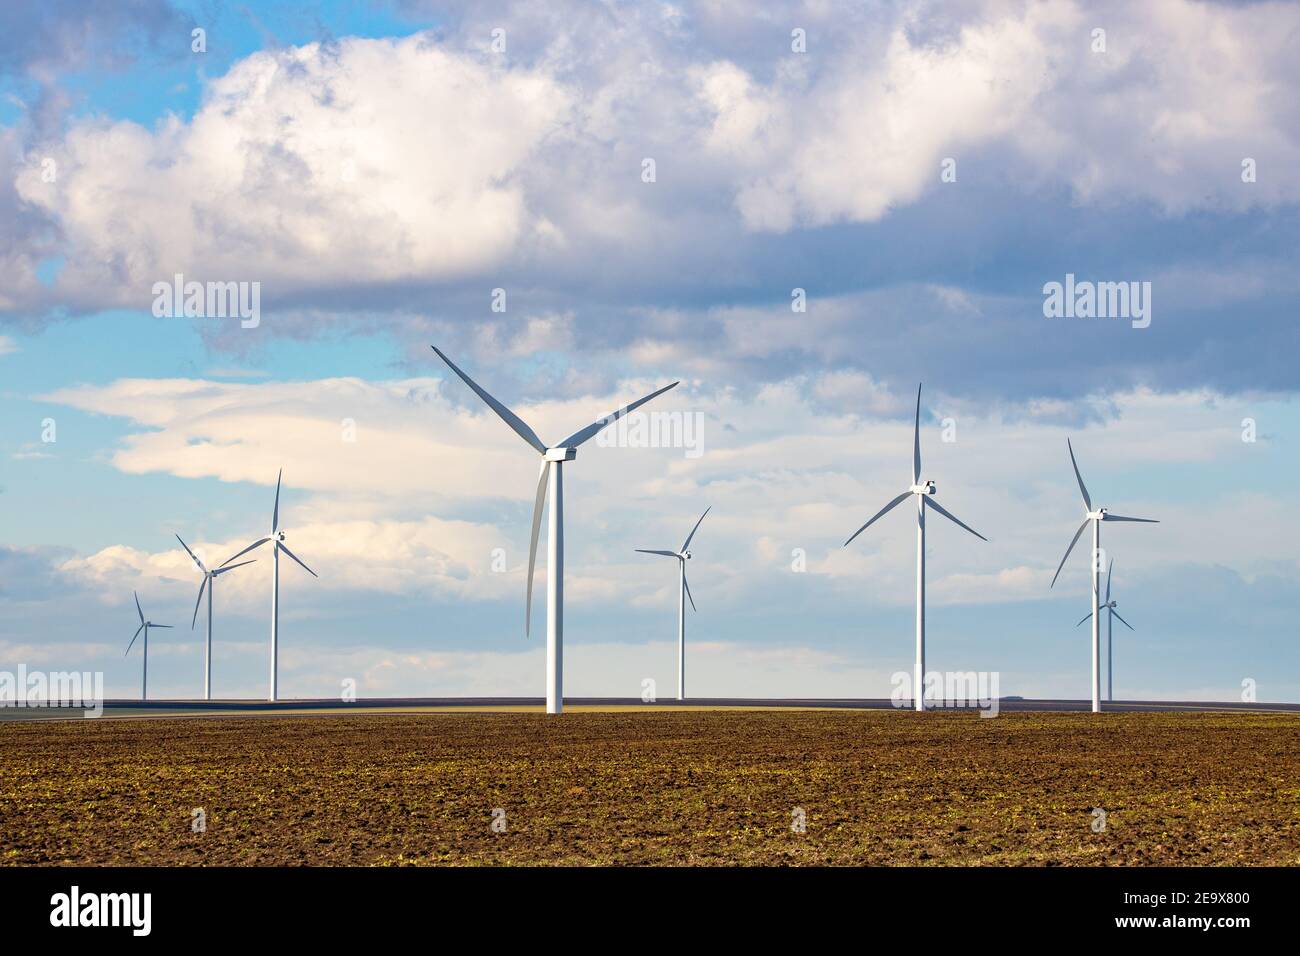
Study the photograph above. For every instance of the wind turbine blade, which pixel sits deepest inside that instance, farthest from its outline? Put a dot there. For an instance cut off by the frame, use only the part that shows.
(893, 504)
(916, 441)
(256, 544)
(1122, 621)
(949, 515)
(506, 415)
(202, 588)
(688, 592)
(577, 438)
(1073, 542)
(670, 554)
(1111, 517)
(168, 626)
(295, 557)
(275, 515)
(232, 567)
(696, 528)
(137, 607)
(1086, 500)
(192, 555)
(137, 634)
(1086, 618)
(538, 505)
(1109, 571)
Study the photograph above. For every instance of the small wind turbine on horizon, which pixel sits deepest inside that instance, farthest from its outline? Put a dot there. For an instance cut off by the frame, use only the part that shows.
(553, 459)
(210, 584)
(144, 626)
(276, 539)
(684, 592)
(1096, 517)
(924, 492)
(1110, 633)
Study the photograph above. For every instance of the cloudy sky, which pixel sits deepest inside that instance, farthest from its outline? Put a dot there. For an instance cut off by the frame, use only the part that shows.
(800, 213)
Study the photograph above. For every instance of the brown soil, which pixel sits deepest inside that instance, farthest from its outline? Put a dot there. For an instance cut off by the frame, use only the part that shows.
(703, 787)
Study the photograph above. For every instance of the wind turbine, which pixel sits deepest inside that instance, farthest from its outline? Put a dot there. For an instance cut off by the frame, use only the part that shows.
(1096, 517)
(1110, 633)
(144, 626)
(924, 492)
(275, 538)
(684, 592)
(553, 459)
(210, 583)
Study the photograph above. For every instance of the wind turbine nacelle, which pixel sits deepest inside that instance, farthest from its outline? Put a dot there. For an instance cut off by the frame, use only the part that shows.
(279, 535)
(686, 555)
(561, 454)
(925, 488)
(1098, 515)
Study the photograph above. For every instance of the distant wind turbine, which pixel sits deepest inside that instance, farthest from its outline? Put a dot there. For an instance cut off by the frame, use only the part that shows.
(924, 492)
(553, 459)
(1110, 633)
(276, 539)
(209, 583)
(144, 626)
(684, 592)
(1096, 517)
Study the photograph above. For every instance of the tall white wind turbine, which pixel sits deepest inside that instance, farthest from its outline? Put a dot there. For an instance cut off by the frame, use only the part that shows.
(924, 492)
(1096, 518)
(210, 584)
(684, 592)
(276, 539)
(553, 459)
(144, 626)
(1110, 633)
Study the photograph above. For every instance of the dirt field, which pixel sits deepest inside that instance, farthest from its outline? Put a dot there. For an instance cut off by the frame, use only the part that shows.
(656, 788)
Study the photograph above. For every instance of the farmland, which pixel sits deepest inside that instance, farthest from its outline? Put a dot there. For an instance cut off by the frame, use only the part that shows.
(680, 788)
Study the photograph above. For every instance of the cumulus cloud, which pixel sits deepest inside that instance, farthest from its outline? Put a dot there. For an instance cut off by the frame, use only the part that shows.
(362, 161)
(868, 135)
(386, 440)
(449, 559)
(408, 543)
(389, 186)
(793, 473)
(365, 164)
(1165, 113)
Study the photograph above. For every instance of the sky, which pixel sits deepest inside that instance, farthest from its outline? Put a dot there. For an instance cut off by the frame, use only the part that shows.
(799, 212)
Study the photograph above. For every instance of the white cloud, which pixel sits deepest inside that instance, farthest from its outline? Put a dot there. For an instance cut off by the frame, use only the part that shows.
(368, 160)
(409, 439)
(418, 504)
(868, 135)
(540, 333)
(389, 161)
(598, 669)
(1183, 92)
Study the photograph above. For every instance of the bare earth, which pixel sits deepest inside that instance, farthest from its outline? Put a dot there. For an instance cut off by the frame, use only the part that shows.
(703, 787)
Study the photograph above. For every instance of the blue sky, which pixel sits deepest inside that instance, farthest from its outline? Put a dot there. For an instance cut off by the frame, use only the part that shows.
(380, 168)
